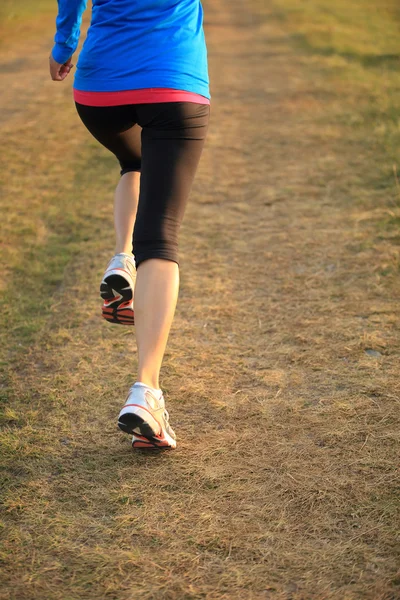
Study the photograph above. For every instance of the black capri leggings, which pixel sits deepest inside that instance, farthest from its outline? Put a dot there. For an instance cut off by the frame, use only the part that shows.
(164, 142)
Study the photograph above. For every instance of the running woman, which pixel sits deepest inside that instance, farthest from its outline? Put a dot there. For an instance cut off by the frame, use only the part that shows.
(141, 88)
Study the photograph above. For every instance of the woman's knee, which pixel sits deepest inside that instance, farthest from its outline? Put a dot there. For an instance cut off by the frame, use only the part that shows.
(156, 248)
(129, 166)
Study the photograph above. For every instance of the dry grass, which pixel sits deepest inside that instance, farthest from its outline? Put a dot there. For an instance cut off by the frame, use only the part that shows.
(284, 485)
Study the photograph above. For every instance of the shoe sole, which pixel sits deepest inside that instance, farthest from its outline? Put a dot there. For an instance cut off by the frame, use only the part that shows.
(143, 434)
(117, 293)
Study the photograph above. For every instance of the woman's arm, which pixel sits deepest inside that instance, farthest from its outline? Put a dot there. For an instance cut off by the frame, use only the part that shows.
(68, 23)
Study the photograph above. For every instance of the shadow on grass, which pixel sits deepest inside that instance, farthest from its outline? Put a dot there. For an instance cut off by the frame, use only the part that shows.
(14, 66)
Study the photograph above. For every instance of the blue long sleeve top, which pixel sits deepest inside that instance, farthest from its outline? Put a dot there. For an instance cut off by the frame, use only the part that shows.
(135, 44)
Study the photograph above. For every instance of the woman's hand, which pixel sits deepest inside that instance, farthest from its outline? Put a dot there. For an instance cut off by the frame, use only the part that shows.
(59, 72)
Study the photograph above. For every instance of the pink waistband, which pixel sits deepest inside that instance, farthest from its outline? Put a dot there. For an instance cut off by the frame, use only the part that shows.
(145, 96)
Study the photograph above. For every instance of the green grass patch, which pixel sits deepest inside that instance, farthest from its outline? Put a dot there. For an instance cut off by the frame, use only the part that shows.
(69, 221)
(22, 20)
(353, 48)
(13, 12)
(364, 30)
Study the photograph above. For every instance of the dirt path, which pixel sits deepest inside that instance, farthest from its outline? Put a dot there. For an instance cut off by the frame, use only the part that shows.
(283, 484)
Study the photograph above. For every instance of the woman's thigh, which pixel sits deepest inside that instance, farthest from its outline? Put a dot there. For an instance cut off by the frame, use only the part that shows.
(115, 127)
(173, 136)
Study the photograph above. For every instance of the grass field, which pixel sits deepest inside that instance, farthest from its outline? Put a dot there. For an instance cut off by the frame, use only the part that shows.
(22, 18)
(23, 12)
(282, 369)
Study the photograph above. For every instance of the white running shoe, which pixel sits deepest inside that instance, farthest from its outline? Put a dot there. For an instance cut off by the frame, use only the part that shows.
(117, 288)
(144, 416)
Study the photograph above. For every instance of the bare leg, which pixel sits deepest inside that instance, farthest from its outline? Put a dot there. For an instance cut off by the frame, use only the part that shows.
(156, 295)
(125, 207)
(156, 287)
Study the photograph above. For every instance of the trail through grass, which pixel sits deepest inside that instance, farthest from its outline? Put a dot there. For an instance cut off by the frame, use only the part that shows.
(281, 373)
